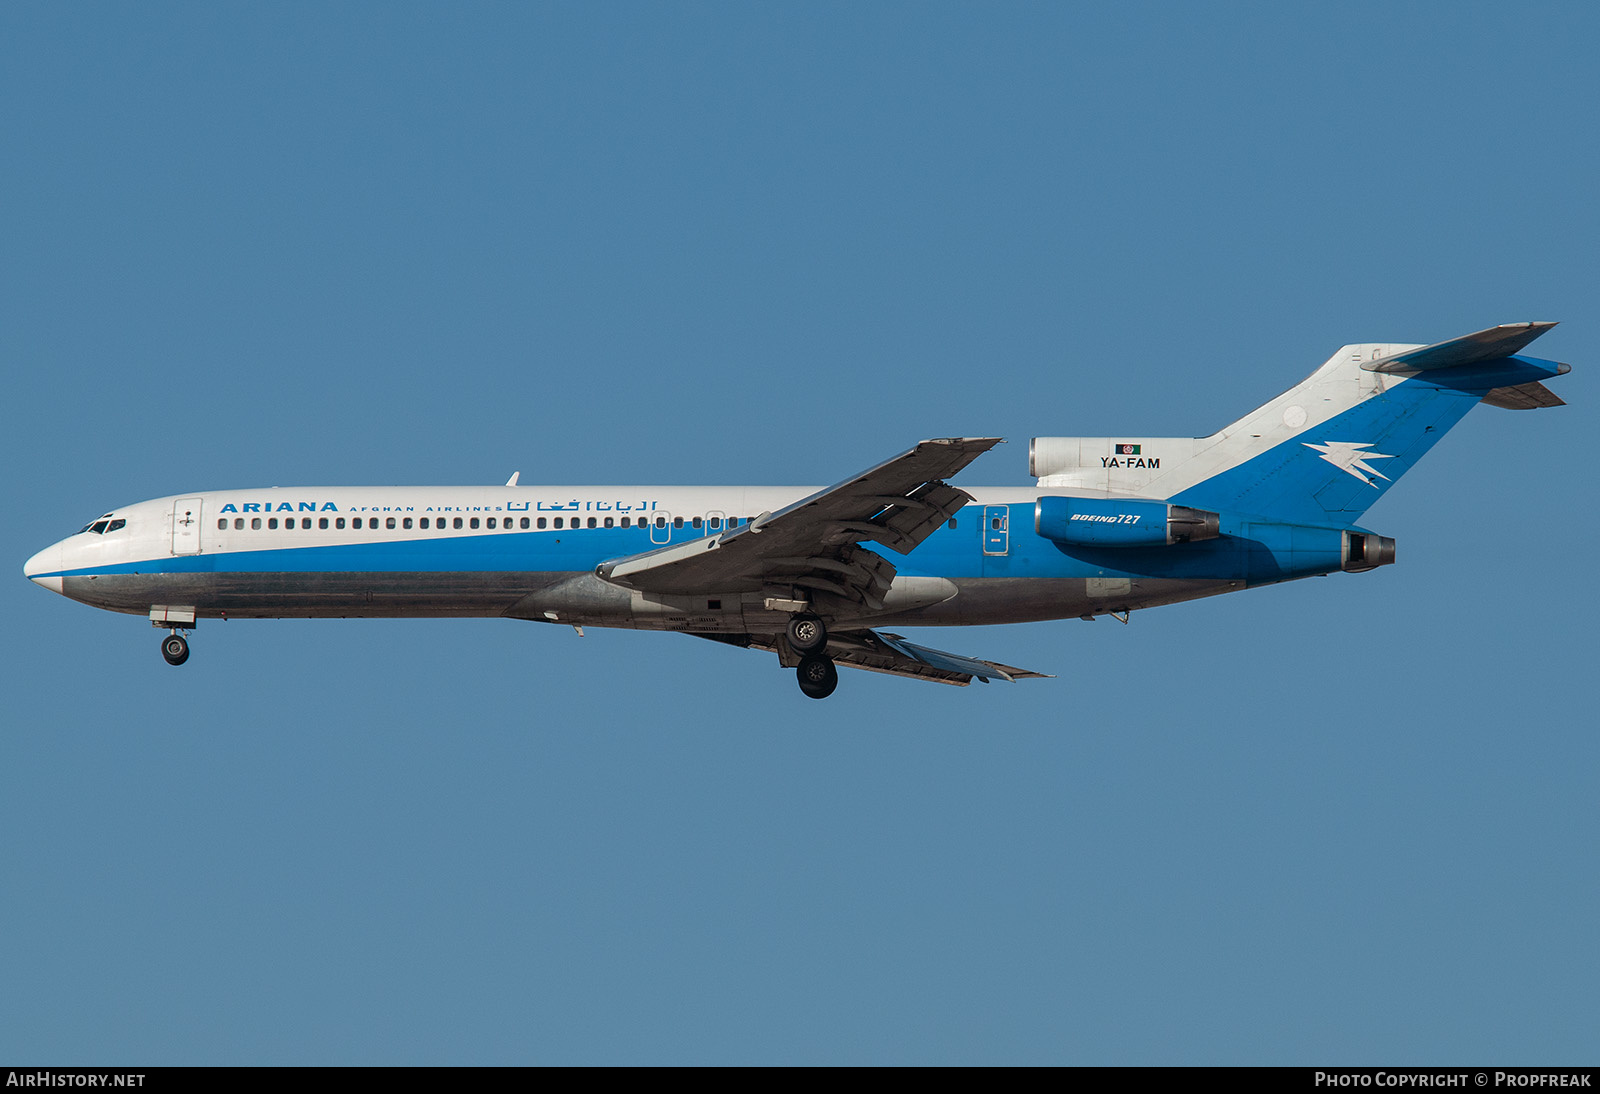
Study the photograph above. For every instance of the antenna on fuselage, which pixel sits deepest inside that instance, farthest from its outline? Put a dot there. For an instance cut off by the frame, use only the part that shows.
(512, 481)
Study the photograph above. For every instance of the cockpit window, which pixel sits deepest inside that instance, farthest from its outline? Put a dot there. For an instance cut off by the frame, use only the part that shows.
(116, 525)
(98, 527)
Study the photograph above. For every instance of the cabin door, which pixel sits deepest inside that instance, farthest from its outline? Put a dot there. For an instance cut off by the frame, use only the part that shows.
(186, 526)
(996, 529)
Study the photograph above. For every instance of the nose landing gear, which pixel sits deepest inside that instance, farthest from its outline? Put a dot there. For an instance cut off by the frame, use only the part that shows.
(175, 648)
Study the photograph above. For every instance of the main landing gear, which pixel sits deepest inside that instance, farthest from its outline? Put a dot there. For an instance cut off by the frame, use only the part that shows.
(817, 675)
(175, 648)
(807, 634)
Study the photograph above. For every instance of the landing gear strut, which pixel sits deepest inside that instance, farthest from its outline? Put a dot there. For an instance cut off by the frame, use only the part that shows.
(817, 675)
(807, 634)
(175, 648)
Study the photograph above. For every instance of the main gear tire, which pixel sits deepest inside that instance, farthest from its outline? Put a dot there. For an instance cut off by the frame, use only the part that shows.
(817, 675)
(807, 634)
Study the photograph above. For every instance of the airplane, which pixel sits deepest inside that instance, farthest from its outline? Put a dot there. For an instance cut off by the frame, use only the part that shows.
(1112, 525)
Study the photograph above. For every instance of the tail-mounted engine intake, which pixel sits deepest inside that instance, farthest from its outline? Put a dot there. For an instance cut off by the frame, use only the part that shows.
(1365, 551)
(1122, 522)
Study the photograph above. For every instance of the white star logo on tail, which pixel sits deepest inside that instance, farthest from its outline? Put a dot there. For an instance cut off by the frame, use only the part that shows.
(1348, 457)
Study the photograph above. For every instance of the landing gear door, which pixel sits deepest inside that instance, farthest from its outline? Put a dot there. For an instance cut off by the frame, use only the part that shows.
(186, 526)
(996, 529)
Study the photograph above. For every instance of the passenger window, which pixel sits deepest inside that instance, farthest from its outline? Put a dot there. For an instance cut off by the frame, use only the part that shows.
(457, 522)
(322, 523)
(355, 522)
(625, 522)
(714, 523)
(541, 522)
(272, 523)
(473, 522)
(661, 522)
(696, 522)
(389, 523)
(952, 522)
(608, 522)
(558, 522)
(222, 524)
(255, 524)
(338, 522)
(406, 523)
(524, 522)
(677, 522)
(305, 524)
(491, 522)
(238, 524)
(423, 523)
(592, 522)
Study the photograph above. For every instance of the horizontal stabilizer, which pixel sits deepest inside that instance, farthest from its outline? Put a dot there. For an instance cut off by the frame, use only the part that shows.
(1523, 397)
(1469, 349)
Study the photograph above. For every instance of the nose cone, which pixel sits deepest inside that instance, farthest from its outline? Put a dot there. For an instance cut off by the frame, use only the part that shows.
(45, 568)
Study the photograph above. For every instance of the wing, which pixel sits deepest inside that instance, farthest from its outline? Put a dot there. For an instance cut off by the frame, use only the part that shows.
(877, 651)
(812, 543)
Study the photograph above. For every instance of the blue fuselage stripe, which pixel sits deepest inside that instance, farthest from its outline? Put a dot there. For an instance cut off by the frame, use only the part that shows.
(1246, 552)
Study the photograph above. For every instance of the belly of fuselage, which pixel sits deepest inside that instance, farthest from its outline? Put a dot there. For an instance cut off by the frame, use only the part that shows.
(582, 599)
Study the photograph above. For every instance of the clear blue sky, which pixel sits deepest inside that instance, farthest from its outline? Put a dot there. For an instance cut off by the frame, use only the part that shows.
(1347, 820)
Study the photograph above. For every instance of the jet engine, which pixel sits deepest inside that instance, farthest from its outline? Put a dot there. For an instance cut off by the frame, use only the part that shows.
(1364, 551)
(1121, 522)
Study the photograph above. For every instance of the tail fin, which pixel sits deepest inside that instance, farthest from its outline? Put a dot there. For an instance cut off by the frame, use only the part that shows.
(1329, 447)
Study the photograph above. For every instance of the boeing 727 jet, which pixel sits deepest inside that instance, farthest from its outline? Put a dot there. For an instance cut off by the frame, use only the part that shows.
(1112, 525)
